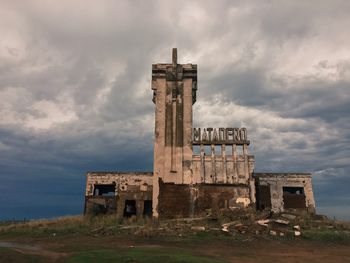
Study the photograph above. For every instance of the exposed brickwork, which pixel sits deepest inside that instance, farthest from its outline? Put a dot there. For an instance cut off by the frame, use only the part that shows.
(174, 200)
(177, 200)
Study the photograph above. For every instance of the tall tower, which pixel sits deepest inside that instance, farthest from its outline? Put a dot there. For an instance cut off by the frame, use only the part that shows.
(174, 92)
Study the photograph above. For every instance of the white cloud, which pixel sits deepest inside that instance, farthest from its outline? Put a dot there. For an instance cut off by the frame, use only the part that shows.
(50, 114)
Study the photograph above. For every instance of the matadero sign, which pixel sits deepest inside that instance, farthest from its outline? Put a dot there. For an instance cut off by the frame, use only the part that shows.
(217, 136)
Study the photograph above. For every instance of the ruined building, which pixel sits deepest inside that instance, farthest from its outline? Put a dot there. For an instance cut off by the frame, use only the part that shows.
(195, 170)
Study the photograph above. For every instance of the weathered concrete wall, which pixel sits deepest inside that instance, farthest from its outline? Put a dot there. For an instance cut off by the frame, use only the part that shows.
(174, 91)
(276, 182)
(223, 196)
(128, 186)
(182, 200)
(125, 181)
(223, 168)
(100, 205)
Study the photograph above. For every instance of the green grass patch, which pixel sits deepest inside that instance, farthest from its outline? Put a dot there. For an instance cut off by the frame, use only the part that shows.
(142, 255)
(9, 255)
(327, 235)
(208, 236)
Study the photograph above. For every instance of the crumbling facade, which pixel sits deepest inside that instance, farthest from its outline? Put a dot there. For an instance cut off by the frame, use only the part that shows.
(125, 194)
(281, 191)
(195, 170)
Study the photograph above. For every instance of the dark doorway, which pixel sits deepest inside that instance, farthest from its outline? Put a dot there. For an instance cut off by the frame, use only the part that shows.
(130, 208)
(147, 208)
(263, 197)
(294, 197)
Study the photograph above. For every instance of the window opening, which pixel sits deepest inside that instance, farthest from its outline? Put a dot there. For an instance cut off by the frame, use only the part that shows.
(293, 190)
(104, 189)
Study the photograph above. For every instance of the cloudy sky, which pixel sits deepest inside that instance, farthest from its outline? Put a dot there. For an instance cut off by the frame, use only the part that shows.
(75, 89)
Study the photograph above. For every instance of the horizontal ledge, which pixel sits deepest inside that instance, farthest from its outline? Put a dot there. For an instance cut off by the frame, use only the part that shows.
(221, 142)
(119, 173)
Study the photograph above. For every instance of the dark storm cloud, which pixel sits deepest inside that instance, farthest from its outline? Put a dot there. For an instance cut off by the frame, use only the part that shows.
(75, 89)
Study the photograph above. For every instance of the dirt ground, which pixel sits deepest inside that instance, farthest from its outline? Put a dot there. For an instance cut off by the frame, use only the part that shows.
(240, 236)
(58, 249)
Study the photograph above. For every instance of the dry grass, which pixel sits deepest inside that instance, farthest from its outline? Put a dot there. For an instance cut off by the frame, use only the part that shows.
(66, 224)
(244, 224)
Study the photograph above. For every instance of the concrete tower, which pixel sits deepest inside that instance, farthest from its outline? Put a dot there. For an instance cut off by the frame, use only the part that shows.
(174, 92)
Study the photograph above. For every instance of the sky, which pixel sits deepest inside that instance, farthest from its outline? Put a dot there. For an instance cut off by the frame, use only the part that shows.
(75, 90)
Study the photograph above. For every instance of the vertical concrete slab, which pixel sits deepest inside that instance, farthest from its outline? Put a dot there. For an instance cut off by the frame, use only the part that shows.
(174, 86)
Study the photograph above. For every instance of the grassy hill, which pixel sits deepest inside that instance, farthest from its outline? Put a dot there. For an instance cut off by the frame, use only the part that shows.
(239, 236)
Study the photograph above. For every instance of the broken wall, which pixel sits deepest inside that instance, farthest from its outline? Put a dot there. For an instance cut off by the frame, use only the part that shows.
(283, 191)
(182, 200)
(128, 188)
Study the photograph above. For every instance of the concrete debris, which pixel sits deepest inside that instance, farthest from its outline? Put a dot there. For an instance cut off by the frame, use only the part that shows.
(198, 228)
(130, 227)
(273, 233)
(226, 226)
(232, 223)
(239, 226)
(245, 224)
(263, 222)
(97, 229)
(188, 219)
(282, 222)
(296, 228)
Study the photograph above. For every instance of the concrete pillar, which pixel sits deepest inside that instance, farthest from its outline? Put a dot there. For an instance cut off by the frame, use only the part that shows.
(213, 164)
(120, 206)
(202, 166)
(139, 208)
(245, 155)
(174, 92)
(235, 166)
(187, 152)
(224, 165)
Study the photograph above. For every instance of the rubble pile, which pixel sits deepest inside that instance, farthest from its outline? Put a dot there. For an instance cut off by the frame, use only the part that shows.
(247, 223)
